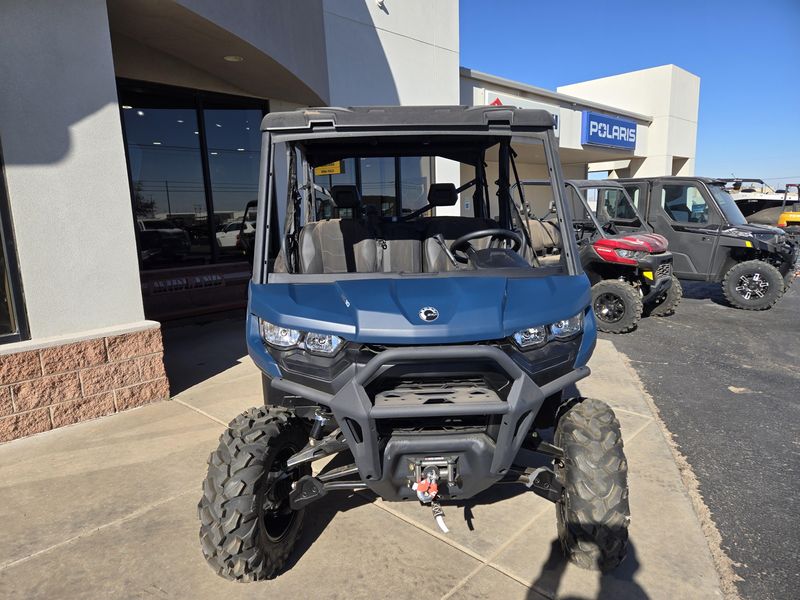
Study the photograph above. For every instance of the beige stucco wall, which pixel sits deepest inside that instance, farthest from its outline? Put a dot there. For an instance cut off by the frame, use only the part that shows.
(65, 167)
(669, 94)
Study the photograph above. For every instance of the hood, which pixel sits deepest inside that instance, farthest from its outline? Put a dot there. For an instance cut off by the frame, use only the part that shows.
(648, 242)
(755, 229)
(387, 311)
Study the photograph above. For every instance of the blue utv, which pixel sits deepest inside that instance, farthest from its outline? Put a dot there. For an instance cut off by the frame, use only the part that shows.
(417, 336)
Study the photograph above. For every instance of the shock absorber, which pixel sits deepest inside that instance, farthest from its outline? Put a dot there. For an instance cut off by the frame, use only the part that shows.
(318, 427)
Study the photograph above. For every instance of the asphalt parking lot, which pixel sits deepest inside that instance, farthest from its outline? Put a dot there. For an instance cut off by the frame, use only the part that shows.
(727, 384)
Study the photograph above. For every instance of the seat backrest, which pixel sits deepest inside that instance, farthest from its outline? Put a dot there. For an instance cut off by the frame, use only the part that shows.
(399, 248)
(434, 259)
(337, 246)
(544, 235)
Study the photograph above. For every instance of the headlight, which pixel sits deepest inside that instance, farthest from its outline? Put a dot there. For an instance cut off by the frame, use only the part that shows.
(285, 338)
(567, 328)
(635, 254)
(319, 343)
(280, 337)
(533, 337)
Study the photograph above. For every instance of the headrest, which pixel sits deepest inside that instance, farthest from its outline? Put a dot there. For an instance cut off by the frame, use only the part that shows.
(442, 194)
(346, 196)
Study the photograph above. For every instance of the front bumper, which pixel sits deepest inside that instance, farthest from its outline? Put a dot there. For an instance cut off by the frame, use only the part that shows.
(484, 460)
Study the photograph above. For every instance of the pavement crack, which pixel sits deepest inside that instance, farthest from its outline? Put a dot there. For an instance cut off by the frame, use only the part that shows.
(201, 412)
(135, 514)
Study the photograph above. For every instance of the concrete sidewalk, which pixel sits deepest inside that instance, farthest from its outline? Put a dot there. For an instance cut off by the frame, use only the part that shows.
(106, 509)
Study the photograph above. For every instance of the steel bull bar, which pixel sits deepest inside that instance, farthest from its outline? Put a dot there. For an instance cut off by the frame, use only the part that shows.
(356, 415)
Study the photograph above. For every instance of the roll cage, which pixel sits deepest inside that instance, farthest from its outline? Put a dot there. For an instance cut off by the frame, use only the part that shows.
(296, 144)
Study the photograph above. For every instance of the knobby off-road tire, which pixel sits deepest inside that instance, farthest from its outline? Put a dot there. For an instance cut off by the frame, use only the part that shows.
(593, 515)
(245, 533)
(764, 282)
(666, 303)
(617, 306)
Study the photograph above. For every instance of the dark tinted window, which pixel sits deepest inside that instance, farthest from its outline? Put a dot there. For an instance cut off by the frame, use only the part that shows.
(167, 177)
(684, 203)
(234, 150)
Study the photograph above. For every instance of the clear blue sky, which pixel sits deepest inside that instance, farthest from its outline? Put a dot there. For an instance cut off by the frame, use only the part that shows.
(746, 53)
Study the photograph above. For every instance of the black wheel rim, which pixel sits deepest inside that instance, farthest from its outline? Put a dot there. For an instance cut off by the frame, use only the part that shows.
(752, 286)
(609, 307)
(275, 515)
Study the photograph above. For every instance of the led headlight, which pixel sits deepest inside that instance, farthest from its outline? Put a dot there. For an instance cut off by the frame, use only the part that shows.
(531, 337)
(318, 343)
(280, 337)
(563, 330)
(635, 254)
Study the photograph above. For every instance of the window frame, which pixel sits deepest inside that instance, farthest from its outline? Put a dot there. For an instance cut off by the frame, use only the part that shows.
(8, 241)
(199, 101)
(714, 218)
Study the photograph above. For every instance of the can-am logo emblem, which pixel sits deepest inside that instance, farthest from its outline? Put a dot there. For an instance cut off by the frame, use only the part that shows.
(428, 313)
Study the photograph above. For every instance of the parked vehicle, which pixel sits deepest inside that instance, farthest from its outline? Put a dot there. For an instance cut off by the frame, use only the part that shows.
(765, 206)
(229, 234)
(711, 240)
(628, 265)
(431, 353)
(161, 239)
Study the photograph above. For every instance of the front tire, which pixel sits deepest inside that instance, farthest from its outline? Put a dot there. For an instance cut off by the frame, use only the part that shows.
(247, 529)
(617, 306)
(753, 285)
(593, 514)
(666, 303)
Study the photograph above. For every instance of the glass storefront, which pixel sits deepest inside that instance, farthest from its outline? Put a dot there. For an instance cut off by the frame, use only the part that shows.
(13, 324)
(193, 159)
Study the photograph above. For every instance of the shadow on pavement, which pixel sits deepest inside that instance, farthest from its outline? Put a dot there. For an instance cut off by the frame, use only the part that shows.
(199, 348)
(700, 290)
(617, 584)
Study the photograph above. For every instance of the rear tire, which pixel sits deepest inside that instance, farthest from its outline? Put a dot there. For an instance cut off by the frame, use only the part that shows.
(593, 514)
(246, 532)
(753, 285)
(617, 306)
(666, 303)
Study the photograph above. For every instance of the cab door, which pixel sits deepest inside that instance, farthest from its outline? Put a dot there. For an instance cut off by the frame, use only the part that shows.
(685, 214)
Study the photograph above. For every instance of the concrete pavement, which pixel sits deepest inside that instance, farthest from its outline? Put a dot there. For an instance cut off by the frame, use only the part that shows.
(106, 509)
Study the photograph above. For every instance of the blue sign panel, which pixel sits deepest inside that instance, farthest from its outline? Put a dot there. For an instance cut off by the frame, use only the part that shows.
(612, 132)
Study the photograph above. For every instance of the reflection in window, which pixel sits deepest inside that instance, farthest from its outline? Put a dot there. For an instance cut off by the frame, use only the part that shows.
(415, 179)
(378, 184)
(233, 138)
(633, 192)
(684, 203)
(614, 205)
(169, 201)
(7, 321)
(11, 330)
(341, 172)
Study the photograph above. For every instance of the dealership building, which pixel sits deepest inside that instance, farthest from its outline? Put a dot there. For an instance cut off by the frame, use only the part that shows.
(130, 144)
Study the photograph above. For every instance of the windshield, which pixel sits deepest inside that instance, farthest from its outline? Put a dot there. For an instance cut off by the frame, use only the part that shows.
(371, 204)
(610, 204)
(727, 205)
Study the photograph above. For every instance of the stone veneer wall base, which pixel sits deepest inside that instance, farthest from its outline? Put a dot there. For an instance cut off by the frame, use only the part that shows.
(56, 385)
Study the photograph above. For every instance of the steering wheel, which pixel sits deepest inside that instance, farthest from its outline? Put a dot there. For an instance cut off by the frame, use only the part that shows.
(610, 227)
(463, 245)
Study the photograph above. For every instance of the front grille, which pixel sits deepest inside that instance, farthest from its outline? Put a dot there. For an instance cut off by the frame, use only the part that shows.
(437, 392)
(664, 270)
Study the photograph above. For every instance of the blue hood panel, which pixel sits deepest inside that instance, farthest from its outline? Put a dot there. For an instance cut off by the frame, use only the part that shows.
(386, 311)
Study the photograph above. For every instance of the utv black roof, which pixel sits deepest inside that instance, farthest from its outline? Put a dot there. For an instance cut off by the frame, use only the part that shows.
(408, 117)
(706, 180)
(591, 183)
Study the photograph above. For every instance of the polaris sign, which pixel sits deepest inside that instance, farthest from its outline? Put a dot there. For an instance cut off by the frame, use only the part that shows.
(612, 132)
